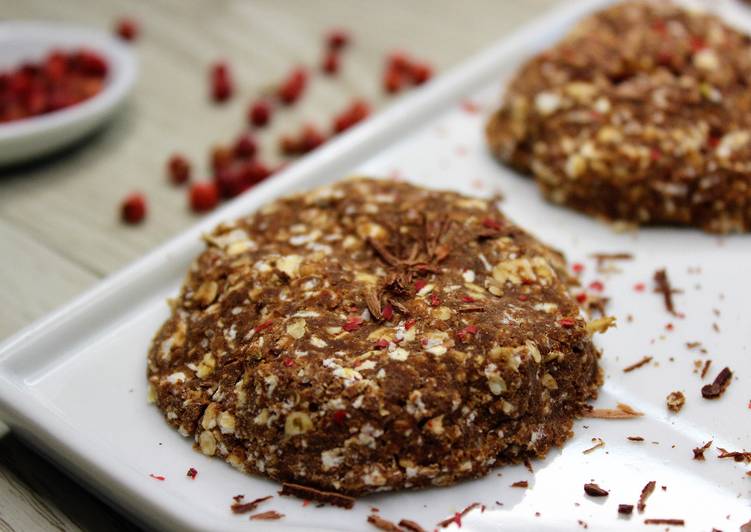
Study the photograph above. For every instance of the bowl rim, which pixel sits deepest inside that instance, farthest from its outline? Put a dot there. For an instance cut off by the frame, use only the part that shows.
(122, 72)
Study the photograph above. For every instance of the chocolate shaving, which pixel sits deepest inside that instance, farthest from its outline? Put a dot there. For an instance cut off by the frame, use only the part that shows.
(738, 456)
(383, 524)
(635, 438)
(663, 287)
(673, 522)
(311, 494)
(411, 526)
(625, 509)
(645, 493)
(245, 507)
(716, 389)
(457, 517)
(637, 365)
(705, 369)
(699, 451)
(271, 515)
(593, 490)
(520, 484)
(602, 257)
(621, 411)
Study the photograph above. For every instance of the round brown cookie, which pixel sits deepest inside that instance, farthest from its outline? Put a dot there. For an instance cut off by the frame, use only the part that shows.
(374, 335)
(642, 114)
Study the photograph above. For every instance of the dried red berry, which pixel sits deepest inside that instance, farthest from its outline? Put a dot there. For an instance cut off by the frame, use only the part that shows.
(523, 297)
(382, 343)
(245, 146)
(597, 286)
(577, 267)
(255, 171)
(330, 64)
(387, 312)
(581, 297)
(463, 334)
(434, 300)
(293, 86)
(492, 223)
(337, 39)
(567, 322)
(231, 182)
(409, 324)
(420, 73)
(310, 139)
(192, 473)
(392, 81)
(127, 29)
(91, 63)
(259, 113)
(420, 284)
(468, 299)
(399, 62)
(178, 169)
(352, 323)
(357, 111)
(221, 82)
(288, 362)
(133, 209)
(204, 196)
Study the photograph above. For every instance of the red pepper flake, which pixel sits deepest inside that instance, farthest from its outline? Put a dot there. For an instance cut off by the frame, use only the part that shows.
(204, 196)
(492, 223)
(597, 286)
(133, 208)
(468, 299)
(387, 312)
(220, 80)
(470, 107)
(463, 334)
(409, 324)
(697, 44)
(339, 417)
(259, 113)
(420, 284)
(577, 267)
(263, 325)
(127, 29)
(288, 362)
(567, 322)
(434, 300)
(352, 323)
(382, 343)
(157, 477)
(581, 297)
(639, 287)
(192, 473)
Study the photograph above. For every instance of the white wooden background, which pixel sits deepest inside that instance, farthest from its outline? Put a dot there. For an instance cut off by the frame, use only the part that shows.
(59, 226)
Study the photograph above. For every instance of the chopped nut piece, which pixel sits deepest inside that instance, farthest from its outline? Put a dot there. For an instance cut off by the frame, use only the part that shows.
(675, 401)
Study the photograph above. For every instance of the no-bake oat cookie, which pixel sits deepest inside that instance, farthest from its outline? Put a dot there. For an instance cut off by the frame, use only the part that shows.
(641, 114)
(374, 335)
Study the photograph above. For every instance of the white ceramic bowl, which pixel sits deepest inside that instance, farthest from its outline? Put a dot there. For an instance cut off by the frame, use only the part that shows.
(25, 139)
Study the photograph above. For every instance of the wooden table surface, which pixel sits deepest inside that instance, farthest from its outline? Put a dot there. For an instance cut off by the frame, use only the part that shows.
(59, 226)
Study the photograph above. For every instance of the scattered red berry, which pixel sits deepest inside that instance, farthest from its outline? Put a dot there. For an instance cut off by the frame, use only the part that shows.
(492, 223)
(330, 64)
(399, 61)
(392, 81)
(259, 113)
(337, 39)
(230, 182)
(597, 286)
(388, 312)
(420, 73)
(127, 29)
(221, 82)
(523, 297)
(420, 284)
(581, 297)
(204, 196)
(356, 112)
(255, 172)
(577, 267)
(133, 209)
(382, 343)
(310, 139)
(463, 334)
(352, 323)
(245, 146)
(468, 299)
(409, 324)
(639, 287)
(293, 86)
(178, 169)
(288, 362)
(567, 322)
(192, 473)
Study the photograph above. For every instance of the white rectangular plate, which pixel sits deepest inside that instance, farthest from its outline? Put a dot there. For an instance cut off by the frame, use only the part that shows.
(74, 383)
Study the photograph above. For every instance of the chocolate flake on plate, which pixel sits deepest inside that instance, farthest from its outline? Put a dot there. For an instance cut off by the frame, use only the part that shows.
(675, 401)
(382, 524)
(593, 490)
(636, 365)
(699, 451)
(625, 509)
(705, 369)
(312, 494)
(410, 525)
(634, 438)
(738, 456)
(245, 507)
(721, 382)
(663, 286)
(599, 442)
(645, 493)
(271, 515)
(673, 522)
(520, 484)
(622, 411)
